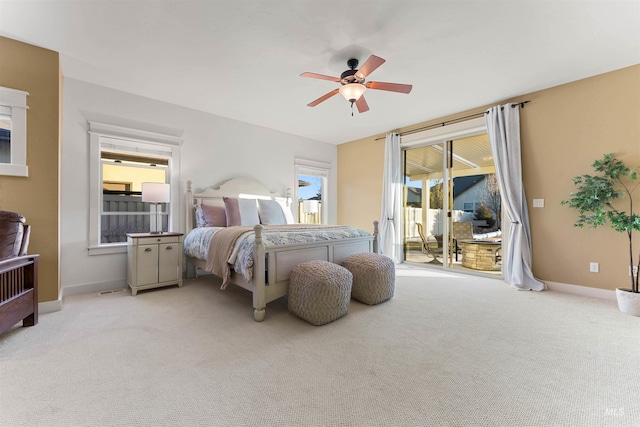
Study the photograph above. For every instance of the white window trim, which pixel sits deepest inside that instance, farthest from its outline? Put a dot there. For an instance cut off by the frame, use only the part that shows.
(17, 101)
(444, 133)
(314, 168)
(166, 143)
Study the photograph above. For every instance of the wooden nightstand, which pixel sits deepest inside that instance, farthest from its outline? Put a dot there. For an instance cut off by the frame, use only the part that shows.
(154, 260)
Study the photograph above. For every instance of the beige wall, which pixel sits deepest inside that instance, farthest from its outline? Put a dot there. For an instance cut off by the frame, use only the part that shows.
(360, 166)
(563, 130)
(37, 71)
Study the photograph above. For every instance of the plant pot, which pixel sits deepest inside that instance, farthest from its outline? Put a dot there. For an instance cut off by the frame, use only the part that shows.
(628, 302)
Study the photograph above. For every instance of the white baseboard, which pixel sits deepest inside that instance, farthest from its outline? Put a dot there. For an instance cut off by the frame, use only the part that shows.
(88, 288)
(582, 290)
(50, 306)
(56, 305)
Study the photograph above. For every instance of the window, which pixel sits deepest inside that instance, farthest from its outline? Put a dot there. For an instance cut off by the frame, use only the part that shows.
(121, 160)
(13, 132)
(311, 191)
(122, 208)
(469, 206)
(5, 134)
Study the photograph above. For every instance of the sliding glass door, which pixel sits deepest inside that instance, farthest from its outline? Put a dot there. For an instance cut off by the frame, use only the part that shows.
(424, 204)
(452, 205)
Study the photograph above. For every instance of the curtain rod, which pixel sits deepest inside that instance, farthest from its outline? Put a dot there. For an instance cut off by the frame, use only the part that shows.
(435, 125)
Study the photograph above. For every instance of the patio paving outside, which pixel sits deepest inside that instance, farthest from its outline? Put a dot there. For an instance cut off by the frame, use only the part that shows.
(414, 254)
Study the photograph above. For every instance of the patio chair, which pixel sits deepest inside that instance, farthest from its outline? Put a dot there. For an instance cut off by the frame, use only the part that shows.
(433, 248)
(460, 232)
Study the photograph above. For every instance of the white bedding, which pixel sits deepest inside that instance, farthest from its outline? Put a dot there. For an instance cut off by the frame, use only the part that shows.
(196, 243)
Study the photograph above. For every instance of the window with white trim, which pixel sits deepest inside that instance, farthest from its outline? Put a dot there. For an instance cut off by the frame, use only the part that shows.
(312, 191)
(123, 210)
(13, 132)
(121, 160)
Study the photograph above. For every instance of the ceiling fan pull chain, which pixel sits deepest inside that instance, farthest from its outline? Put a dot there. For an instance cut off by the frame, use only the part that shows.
(351, 108)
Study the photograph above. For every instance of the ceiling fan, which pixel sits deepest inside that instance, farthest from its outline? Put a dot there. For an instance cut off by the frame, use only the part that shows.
(353, 83)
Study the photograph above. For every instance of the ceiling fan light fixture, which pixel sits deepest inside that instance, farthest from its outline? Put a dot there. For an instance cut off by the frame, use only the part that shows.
(353, 84)
(352, 91)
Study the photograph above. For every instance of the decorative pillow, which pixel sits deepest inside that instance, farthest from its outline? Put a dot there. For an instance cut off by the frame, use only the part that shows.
(198, 216)
(271, 212)
(241, 212)
(213, 216)
(287, 212)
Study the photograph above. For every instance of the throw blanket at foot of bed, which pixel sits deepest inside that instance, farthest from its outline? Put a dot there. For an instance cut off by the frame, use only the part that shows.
(220, 250)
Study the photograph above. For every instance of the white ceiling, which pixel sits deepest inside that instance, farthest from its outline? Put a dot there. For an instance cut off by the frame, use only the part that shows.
(242, 59)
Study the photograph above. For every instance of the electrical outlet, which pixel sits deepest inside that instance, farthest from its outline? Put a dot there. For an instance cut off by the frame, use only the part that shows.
(594, 267)
(635, 270)
(538, 203)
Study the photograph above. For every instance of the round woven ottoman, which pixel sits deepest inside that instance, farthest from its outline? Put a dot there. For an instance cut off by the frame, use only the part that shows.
(319, 291)
(374, 277)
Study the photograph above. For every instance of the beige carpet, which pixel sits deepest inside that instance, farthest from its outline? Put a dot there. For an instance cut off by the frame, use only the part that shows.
(447, 350)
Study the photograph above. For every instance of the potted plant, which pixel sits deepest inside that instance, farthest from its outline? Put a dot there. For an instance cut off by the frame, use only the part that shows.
(596, 201)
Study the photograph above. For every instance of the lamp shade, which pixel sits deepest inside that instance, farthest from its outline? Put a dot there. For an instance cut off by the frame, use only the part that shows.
(156, 192)
(353, 91)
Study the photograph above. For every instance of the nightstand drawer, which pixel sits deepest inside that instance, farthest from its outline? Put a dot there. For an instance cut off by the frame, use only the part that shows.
(157, 239)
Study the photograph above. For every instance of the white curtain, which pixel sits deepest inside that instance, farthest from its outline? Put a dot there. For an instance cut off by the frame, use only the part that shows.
(503, 127)
(391, 216)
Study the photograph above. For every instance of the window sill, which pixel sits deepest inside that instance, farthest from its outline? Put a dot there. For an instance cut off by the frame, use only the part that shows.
(14, 170)
(116, 248)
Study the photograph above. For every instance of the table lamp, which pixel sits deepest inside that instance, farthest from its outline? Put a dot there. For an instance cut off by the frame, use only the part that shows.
(156, 193)
(310, 207)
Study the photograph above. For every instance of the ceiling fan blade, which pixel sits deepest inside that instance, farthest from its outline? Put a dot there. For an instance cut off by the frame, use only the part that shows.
(370, 66)
(362, 105)
(391, 87)
(323, 98)
(320, 76)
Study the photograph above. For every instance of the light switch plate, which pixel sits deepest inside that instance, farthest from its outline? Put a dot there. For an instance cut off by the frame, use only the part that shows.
(538, 203)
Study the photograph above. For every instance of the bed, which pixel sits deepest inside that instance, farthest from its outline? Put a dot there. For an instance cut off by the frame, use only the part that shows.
(262, 255)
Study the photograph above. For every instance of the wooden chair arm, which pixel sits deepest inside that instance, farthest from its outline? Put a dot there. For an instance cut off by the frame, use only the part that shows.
(17, 262)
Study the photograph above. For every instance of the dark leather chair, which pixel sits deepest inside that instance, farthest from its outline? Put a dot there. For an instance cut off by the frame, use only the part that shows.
(18, 273)
(14, 235)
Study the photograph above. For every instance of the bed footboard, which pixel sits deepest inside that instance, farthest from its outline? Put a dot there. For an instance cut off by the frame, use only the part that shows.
(273, 265)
